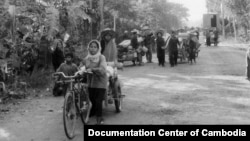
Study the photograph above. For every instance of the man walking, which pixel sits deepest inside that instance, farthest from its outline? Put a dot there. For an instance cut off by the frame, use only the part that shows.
(173, 49)
(135, 45)
(148, 43)
(160, 48)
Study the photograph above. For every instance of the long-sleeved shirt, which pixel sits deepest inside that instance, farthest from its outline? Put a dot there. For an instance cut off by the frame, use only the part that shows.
(160, 43)
(68, 69)
(134, 42)
(99, 78)
(148, 40)
(173, 45)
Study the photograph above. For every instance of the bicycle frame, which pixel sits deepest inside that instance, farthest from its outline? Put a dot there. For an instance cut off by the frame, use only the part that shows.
(73, 80)
(79, 88)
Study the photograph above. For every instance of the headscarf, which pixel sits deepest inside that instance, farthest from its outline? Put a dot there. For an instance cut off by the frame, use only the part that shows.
(94, 58)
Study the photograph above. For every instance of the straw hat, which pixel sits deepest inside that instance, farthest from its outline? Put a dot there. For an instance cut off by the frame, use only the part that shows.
(135, 31)
(159, 31)
(107, 31)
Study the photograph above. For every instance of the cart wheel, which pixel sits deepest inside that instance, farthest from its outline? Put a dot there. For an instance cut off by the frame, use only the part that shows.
(118, 96)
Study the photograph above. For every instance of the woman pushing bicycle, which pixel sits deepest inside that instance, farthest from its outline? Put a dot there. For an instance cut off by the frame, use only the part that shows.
(95, 62)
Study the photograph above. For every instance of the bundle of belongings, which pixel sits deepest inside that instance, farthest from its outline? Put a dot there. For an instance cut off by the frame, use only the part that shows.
(195, 39)
(123, 48)
(125, 43)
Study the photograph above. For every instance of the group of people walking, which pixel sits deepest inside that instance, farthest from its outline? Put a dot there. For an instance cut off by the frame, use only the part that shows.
(173, 49)
(139, 43)
(172, 45)
(162, 44)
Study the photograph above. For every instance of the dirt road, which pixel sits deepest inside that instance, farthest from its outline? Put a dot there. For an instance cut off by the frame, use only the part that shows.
(212, 91)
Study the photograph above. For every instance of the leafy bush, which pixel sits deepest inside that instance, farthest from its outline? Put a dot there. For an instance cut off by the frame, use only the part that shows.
(40, 79)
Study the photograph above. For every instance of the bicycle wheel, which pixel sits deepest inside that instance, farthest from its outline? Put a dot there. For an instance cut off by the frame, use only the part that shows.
(69, 115)
(118, 96)
(86, 106)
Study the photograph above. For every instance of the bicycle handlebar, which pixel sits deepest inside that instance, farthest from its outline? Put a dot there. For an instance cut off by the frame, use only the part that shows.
(70, 77)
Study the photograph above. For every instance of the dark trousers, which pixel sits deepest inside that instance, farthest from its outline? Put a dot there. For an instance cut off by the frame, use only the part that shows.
(173, 57)
(161, 60)
(139, 57)
(149, 53)
(215, 39)
(161, 56)
(96, 97)
(208, 41)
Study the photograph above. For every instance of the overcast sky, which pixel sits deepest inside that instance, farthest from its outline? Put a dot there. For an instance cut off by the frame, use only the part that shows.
(196, 10)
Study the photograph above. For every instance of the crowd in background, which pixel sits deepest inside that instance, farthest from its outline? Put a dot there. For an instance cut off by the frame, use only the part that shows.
(161, 42)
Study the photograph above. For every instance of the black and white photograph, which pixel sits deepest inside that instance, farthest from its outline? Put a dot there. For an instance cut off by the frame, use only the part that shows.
(70, 66)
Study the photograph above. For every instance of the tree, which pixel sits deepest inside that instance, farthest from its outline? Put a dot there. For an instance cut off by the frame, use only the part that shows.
(135, 13)
(241, 10)
(46, 16)
(237, 12)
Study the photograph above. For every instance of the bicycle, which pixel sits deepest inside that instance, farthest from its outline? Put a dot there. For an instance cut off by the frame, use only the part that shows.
(76, 101)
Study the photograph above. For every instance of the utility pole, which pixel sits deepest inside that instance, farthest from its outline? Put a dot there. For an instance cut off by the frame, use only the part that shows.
(222, 16)
(115, 14)
(114, 22)
(102, 14)
(91, 24)
(235, 30)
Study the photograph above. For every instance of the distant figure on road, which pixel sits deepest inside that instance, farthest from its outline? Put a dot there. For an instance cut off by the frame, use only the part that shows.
(248, 63)
(125, 36)
(191, 50)
(197, 34)
(135, 44)
(160, 48)
(149, 44)
(173, 49)
(216, 35)
(208, 43)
